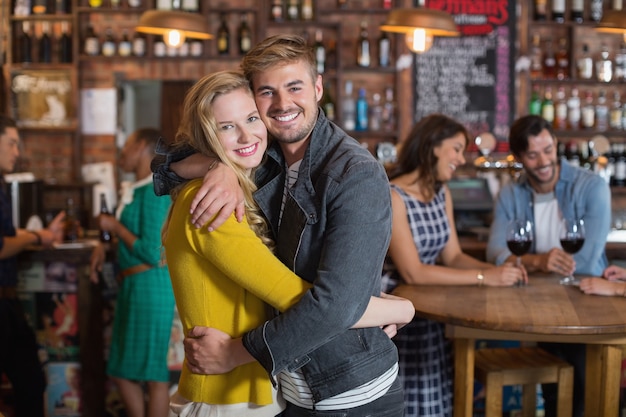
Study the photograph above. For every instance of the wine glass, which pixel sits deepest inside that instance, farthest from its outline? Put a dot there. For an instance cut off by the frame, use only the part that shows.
(572, 236)
(519, 238)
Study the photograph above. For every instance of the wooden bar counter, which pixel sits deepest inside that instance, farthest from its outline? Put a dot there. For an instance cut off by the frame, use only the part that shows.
(543, 310)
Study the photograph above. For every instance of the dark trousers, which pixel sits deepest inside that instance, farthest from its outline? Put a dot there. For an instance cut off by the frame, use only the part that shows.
(574, 354)
(19, 360)
(389, 405)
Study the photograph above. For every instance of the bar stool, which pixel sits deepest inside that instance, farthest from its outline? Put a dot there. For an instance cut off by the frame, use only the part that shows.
(526, 366)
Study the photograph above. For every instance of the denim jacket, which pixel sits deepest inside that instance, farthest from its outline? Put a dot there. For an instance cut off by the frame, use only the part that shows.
(334, 232)
(580, 193)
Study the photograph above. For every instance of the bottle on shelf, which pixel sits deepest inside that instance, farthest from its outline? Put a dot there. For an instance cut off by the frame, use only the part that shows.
(62, 6)
(92, 42)
(549, 60)
(588, 112)
(306, 10)
(534, 106)
(604, 65)
(389, 111)
(348, 108)
(571, 153)
(342, 4)
(619, 73)
(586, 161)
(164, 4)
(133, 4)
(585, 64)
(596, 10)
(244, 35)
(109, 47)
(327, 102)
(619, 176)
(40, 6)
(277, 11)
(615, 114)
(71, 224)
(560, 109)
(558, 11)
(159, 49)
(573, 110)
(541, 9)
(115, 4)
(45, 44)
(25, 44)
(363, 47)
(384, 50)
(223, 37)
(536, 57)
(375, 122)
(196, 48)
(320, 52)
(547, 105)
(562, 60)
(65, 44)
(578, 9)
(602, 112)
(183, 49)
(105, 235)
(125, 47)
(362, 111)
(139, 44)
(617, 5)
(191, 6)
(293, 12)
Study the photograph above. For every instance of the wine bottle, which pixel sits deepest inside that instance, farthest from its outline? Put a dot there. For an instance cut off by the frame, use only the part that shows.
(277, 11)
(71, 225)
(25, 44)
(578, 7)
(362, 111)
(92, 43)
(159, 48)
(306, 10)
(105, 235)
(363, 47)
(384, 49)
(558, 11)
(108, 45)
(45, 44)
(596, 10)
(125, 47)
(223, 37)
(244, 35)
(191, 6)
(327, 102)
(139, 44)
(540, 9)
(65, 44)
(320, 52)
(348, 108)
(292, 10)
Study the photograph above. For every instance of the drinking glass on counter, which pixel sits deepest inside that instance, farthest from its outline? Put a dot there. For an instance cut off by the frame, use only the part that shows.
(572, 236)
(519, 238)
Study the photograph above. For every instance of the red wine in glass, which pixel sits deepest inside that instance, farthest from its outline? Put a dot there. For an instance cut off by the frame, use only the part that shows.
(519, 238)
(518, 247)
(572, 237)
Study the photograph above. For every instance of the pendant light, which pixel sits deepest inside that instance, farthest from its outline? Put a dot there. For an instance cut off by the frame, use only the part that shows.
(613, 21)
(174, 25)
(420, 25)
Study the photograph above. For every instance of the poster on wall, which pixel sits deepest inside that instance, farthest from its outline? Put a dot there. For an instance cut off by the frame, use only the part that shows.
(471, 77)
(42, 98)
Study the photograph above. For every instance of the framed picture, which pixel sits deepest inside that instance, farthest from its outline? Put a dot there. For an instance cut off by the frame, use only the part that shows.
(42, 98)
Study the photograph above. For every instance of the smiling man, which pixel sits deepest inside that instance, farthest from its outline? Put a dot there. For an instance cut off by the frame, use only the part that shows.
(549, 190)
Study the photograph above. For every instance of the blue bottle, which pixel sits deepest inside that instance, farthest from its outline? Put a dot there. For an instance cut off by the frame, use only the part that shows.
(361, 111)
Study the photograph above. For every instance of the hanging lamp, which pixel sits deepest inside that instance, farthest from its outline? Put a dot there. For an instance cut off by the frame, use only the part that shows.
(174, 25)
(420, 25)
(613, 21)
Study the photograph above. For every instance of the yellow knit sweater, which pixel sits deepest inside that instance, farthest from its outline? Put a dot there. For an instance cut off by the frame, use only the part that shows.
(223, 279)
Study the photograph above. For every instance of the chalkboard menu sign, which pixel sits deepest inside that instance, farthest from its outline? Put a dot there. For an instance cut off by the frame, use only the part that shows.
(471, 77)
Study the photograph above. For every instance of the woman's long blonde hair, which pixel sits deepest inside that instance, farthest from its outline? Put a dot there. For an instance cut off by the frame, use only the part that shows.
(198, 129)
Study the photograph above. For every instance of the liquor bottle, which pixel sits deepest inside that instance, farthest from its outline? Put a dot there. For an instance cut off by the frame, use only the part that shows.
(534, 106)
(562, 60)
(573, 110)
(615, 114)
(293, 12)
(71, 223)
(306, 10)
(571, 154)
(376, 113)
(277, 11)
(25, 44)
(362, 111)
(584, 155)
(558, 11)
(585, 64)
(196, 48)
(578, 7)
(604, 65)
(223, 37)
(105, 235)
(320, 52)
(177, 5)
(536, 57)
(363, 47)
(549, 60)
(560, 109)
(159, 49)
(328, 103)
(244, 35)
(602, 112)
(617, 5)
(596, 10)
(541, 9)
(92, 42)
(620, 63)
(384, 49)
(191, 6)
(45, 44)
(65, 44)
(164, 4)
(619, 177)
(588, 112)
(125, 47)
(389, 111)
(547, 106)
(109, 47)
(139, 44)
(62, 6)
(348, 108)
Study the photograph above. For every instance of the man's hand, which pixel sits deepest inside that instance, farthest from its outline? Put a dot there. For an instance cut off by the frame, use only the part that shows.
(54, 232)
(220, 194)
(210, 351)
(557, 261)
